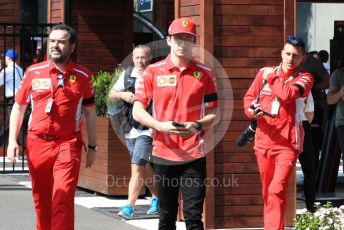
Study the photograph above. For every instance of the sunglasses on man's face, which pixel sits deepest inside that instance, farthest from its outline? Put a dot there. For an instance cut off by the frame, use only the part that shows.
(60, 83)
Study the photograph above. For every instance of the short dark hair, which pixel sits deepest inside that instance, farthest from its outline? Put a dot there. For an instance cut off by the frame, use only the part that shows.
(314, 54)
(70, 30)
(296, 41)
(323, 54)
(148, 49)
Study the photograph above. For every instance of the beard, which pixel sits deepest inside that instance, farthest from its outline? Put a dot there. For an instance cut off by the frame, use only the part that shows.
(58, 56)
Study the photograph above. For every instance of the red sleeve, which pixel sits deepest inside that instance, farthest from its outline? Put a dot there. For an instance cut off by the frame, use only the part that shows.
(299, 87)
(144, 90)
(22, 96)
(210, 97)
(252, 93)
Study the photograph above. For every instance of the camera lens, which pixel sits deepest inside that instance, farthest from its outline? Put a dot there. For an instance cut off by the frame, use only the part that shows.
(247, 135)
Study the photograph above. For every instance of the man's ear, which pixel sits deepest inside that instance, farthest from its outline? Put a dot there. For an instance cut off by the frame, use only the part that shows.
(304, 57)
(168, 39)
(72, 47)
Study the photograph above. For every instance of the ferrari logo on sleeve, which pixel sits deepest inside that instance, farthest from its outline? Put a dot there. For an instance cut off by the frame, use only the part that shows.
(197, 74)
(72, 79)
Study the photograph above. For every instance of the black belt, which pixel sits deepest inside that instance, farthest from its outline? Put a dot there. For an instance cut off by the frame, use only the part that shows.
(46, 136)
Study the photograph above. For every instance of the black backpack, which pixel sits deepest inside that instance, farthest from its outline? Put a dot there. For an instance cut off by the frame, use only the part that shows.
(129, 86)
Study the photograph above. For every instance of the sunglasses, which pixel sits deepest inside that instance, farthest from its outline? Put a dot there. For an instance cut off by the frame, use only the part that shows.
(296, 39)
(60, 83)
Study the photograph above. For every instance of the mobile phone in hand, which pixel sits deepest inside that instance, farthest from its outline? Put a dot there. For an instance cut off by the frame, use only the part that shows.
(177, 124)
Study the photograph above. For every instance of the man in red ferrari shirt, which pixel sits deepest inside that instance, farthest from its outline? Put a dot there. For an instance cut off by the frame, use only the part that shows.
(59, 90)
(274, 94)
(184, 106)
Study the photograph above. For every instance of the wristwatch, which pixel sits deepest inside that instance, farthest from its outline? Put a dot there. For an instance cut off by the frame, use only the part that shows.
(198, 126)
(93, 147)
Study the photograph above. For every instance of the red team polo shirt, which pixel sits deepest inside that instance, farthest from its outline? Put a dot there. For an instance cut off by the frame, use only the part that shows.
(39, 85)
(178, 96)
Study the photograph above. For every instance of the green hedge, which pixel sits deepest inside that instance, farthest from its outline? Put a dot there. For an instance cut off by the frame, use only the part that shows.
(102, 83)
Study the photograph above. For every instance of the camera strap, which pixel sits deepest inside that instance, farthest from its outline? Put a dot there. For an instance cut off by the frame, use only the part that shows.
(258, 98)
(261, 89)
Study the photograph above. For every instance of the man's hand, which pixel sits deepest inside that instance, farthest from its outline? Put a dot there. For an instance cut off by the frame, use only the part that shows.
(341, 93)
(128, 97)
(257, 112)
(168, 128)
(90, 157)
(12, 152)
(267, 72)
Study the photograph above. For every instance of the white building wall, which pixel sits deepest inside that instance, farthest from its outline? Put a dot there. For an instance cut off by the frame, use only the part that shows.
(315, 23)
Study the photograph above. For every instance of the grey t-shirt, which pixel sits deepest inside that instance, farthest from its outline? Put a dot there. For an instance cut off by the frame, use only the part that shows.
(337, 81)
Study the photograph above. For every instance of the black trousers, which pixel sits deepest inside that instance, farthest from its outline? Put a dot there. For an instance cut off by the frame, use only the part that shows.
(308, 165)
(189, 178)
(6, 122)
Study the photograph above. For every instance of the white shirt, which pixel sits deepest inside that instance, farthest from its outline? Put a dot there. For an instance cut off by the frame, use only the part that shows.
(119, 86)
(304, 105)
(10, 80)
(327, 67)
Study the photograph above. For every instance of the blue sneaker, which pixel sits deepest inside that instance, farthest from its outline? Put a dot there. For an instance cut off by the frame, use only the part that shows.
(154, 206)
(126, 212)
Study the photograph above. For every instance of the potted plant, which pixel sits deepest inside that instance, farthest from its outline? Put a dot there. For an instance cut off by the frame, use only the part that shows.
(102, 83)
(111, 172)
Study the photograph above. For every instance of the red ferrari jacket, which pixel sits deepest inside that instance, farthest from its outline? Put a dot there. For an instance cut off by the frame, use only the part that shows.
(281, 130)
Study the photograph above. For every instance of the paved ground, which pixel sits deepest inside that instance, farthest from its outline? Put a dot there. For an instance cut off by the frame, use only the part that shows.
(16, 211)
(92, 211)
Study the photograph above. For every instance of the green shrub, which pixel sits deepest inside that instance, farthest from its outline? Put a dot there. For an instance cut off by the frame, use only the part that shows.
(102, 83)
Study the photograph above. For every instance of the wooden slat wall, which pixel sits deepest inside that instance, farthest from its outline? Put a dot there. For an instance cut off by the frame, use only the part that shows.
(104, 32)
(247, 35)
(9, 11)
(110, 174)
(56, 11)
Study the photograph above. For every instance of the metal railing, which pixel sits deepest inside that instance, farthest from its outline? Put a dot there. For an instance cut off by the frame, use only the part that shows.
(29, 41)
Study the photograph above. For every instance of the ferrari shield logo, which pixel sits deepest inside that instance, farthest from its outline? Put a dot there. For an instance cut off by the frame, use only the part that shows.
(72, 79)
(197, 74)
(185, 23)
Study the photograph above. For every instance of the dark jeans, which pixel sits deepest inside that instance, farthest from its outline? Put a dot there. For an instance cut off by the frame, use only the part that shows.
(340, 134)
(308, 165)
(6, 122)
(189, 178)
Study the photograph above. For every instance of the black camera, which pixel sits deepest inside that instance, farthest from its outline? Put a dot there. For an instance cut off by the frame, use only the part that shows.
(247, 135)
